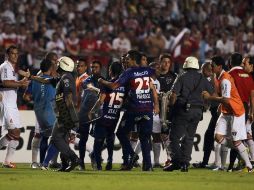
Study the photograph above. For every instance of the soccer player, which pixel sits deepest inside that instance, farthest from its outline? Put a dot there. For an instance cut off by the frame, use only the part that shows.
(82, 75)
(9, 110)
(231, 122)
(89, 97)
(245, 86)
(166, 79)
(43, 96)
(111, 102)
(142, 99)
(156, 143)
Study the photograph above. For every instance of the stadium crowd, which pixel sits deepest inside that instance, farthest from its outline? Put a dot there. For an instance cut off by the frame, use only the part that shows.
(95, 34)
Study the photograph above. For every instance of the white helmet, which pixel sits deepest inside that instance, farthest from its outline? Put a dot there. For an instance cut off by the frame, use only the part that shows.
(66, 63)
(191, 63)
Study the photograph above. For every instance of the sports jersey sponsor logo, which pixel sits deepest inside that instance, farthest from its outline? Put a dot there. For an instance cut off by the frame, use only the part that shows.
(243, 75)
(138, 74)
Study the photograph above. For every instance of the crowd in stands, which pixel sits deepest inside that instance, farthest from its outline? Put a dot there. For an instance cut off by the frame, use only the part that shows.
(105, 29)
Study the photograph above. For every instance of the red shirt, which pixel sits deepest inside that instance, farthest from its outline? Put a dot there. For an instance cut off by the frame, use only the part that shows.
(243, 81)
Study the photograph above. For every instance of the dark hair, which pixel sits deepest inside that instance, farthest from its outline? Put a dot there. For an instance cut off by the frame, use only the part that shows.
(97, 62)
(45, 65)
(165, 55)
(236, 59)
(218, 60)
(152, 64)
(116, 68)
(142, 54)
(11, 47)
(135, 55)
(251, 59)
(50, 55)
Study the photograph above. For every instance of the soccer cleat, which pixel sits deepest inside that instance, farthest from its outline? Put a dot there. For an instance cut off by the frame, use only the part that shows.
(184, 168)
(199, 165)
(82, 167)
(9, 165)
(167, 163)
(55, 165)
(147, 169)
(171, 167)
(35, 165)
(44, 168)
(247, 170)
(108, 166)
(157, 165)
(219, 169)
(124, 167)
(72, 165)
(133, 160)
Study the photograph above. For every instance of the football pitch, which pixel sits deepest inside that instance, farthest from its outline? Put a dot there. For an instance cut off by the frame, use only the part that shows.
(25, 178)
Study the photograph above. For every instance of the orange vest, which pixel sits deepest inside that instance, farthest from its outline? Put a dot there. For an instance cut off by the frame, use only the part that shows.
(235, 103)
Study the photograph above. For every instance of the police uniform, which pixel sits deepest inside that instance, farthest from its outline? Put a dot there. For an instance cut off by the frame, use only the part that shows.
(60, 134)
(188, 111)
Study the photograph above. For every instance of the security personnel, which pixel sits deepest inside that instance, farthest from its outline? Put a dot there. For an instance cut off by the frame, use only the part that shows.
(67, 117)
(188, 110)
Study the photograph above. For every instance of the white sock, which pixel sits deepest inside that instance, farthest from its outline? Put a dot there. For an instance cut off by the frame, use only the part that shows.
(156, 152)
(217, 151)
(224, 153)
(11, 150)
(133, 144)
(250, 144)
(244, 154)
(89, 149)
(35, 148)
(137, 149)
(4, 141)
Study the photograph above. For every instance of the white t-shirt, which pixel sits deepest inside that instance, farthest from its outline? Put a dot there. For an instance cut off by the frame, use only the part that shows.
(157, 85)
(9, 95)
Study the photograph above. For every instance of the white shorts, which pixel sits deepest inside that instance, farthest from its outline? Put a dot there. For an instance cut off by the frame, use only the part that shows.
(231, 126)
(156, 124)
(11, 118)
(37, 127)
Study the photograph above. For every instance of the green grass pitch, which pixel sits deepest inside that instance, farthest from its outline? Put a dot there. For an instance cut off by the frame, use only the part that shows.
(25, 178)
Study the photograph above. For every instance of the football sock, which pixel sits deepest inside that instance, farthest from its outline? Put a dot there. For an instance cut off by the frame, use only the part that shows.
(156, 152)
(11, 150)
(250, 144)
(244, 154)
(217, 151)
(4, 141)
(133, 143)
(35, 148)
(137, 149)
(224, 153)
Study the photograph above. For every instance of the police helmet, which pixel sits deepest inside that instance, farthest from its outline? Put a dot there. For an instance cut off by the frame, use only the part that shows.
(66, 64)
(191, 63)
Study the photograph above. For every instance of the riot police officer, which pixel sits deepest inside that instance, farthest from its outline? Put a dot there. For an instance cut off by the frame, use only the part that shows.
(67, 117)
(187, 104)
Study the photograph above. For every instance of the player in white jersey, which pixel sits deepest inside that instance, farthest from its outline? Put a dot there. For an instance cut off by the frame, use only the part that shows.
(9, 110)
(156, 120)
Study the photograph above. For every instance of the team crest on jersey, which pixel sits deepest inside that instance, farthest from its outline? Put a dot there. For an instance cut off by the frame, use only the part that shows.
(11, 121)
(13, 73)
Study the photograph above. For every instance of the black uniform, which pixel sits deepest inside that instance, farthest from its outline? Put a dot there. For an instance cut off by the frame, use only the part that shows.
(166, 81)
(60, 134)
(188, 111)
